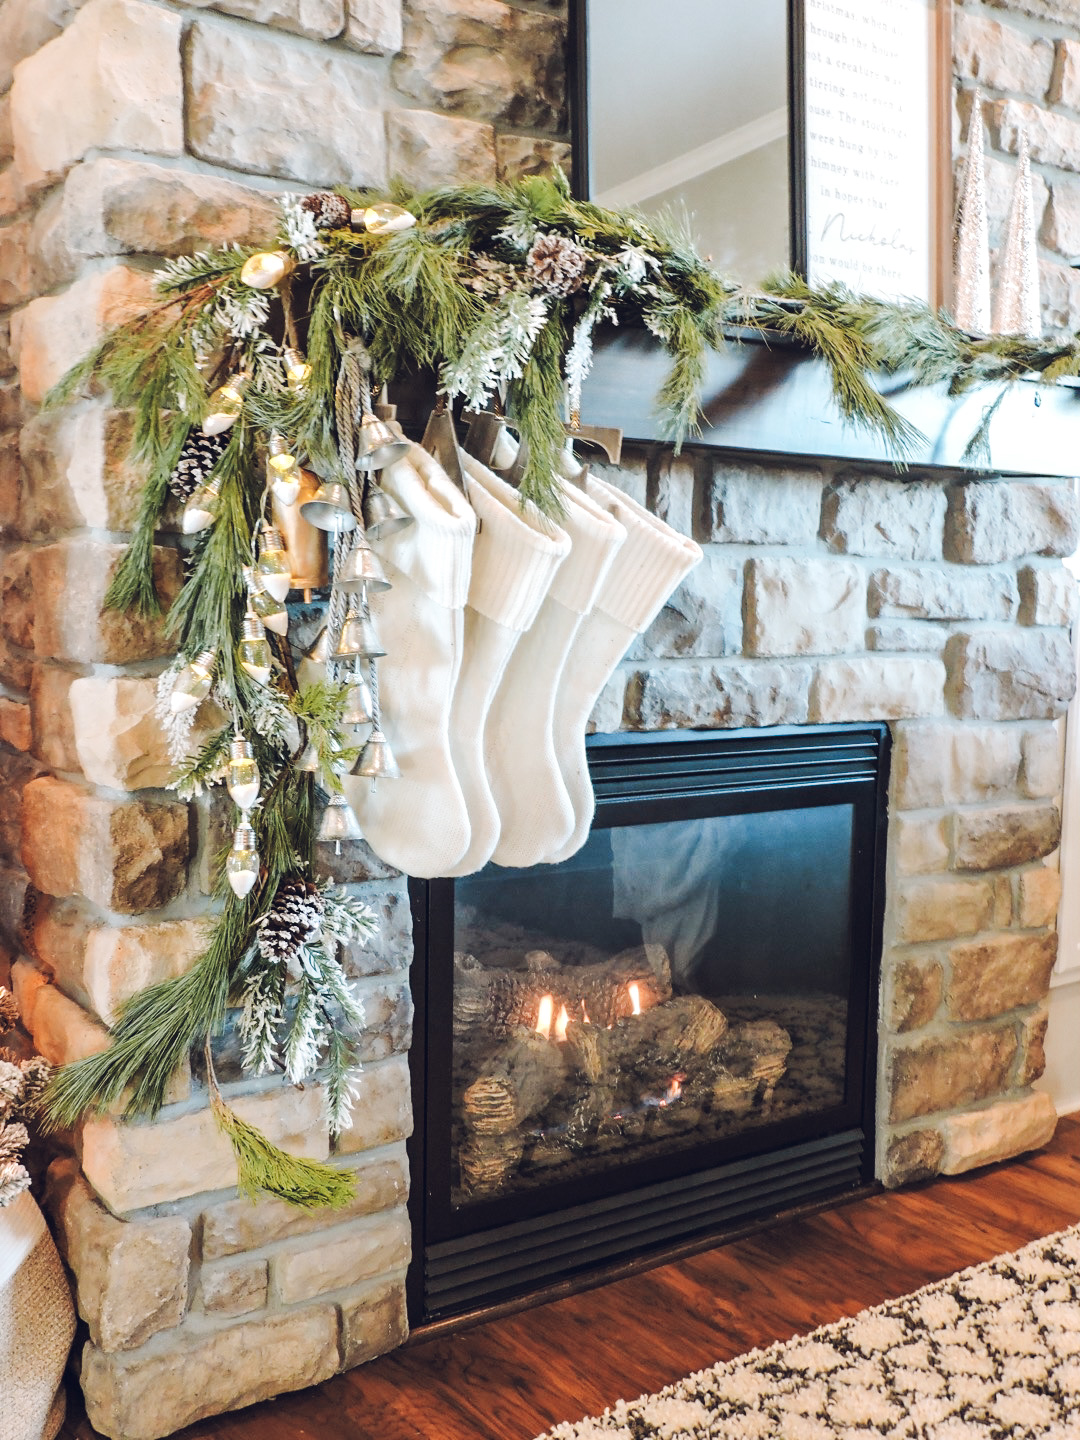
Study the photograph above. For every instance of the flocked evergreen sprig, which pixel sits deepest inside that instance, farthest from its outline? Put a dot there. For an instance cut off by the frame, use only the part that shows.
(498, 289)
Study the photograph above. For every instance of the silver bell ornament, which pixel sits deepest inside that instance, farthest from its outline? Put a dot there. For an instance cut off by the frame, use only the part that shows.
(359, 637)
(383, 516)
(377, 445)
(318, 652)
(308, 760)
(376, 760)
(330, 508)
(338, 823)
(359, 705)
(362, 570)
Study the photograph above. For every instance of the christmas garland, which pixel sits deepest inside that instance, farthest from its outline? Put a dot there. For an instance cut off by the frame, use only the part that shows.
(251, 362)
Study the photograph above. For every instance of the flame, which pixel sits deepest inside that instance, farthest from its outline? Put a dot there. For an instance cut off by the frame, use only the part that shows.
(674, 1089)
(635, 997)
(561, 1023)
(543, 1018)
(585, 1014)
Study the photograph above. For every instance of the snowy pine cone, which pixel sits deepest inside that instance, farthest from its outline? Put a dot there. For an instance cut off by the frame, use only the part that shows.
(330, 211)
(557, 264)
(198, 457)
(293, 920)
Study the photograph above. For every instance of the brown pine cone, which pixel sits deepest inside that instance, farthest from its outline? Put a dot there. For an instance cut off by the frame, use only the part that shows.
(331, 212)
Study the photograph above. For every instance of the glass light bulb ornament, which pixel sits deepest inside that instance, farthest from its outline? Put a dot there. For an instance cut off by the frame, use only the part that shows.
(285, 484)
(297, 369)
(242, 778)
(385, 218)
(272, 566)
(224, 406)
(201, 507)
(193, 683)
(254, 651)
(242, 862)
(266, 269)
(280, 453)
(271, 612)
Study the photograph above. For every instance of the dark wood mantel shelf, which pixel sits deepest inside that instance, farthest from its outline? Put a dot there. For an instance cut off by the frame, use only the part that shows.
(775, 399)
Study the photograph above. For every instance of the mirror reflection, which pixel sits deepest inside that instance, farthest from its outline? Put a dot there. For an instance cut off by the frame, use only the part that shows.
(688, 112)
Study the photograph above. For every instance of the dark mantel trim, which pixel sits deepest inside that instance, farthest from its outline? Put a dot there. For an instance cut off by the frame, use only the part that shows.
(776, 399)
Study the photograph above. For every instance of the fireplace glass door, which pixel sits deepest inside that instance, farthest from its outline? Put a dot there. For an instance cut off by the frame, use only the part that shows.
(691, 991)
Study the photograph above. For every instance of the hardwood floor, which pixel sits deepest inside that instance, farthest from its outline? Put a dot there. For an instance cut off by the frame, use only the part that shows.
(512, 1378)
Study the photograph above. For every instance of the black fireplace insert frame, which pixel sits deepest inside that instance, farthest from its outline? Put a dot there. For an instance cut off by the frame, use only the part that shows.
(497, 1249)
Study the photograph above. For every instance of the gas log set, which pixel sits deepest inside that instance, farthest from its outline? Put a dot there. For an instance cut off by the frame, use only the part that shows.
(568, 1059)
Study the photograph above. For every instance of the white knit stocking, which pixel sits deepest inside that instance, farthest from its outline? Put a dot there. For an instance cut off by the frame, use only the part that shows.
(643, 574)
(535, 810)
(515, 557)
(420, 822)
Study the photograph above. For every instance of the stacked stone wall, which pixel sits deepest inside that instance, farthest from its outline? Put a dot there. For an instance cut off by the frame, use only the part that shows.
(1025, 57)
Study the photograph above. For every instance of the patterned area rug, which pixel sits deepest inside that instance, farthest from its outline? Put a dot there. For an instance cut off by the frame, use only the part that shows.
(992, 1353)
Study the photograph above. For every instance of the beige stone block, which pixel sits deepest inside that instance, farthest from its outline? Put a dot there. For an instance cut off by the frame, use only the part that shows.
(519, 156)
(804, 607)
(877, 687)
(374, 26)
(487, 60)
(7, 140)
(913, 1157)
(382, 1112)
(118, 963)
(916, 984)
(427, 149)
(134, 1165)
(921, 848)
(131, 1276)
(332, 125)
(1000, 57)
(52, 733)
(1040, 895)
(1043, 751)
(79, 474)
(762, 505)
(152, 1394)
(1066, 88)
(1047, 595)
(62, 1031)
(12, 192)
(123, 855)
(19, 270)
(865, 515)
(994, 520)
(1054, 12)
(990, 977)
(15, 727)
(1053, 139)
(27, 25)
(318, 19)
(27, 983)
(1059, 286)
(1002, 835)
(232, 1226)
(17, 600)
(930, 592)
(70, 580)
(344, 1257)
(935, 765)
(1010, 675)
(373, 1323)
(941, 909)
(118, 737)
(1003, 902)
(111, 81)
(56, 935)
(702, 617)
(109, 206)
(1032, 1047)
(1061, 222)
(1008, 1128)
(949, 1071)
(234, 1288)
(50, 334)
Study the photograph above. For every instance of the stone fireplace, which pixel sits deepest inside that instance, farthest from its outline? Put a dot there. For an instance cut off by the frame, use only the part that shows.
(831, 593)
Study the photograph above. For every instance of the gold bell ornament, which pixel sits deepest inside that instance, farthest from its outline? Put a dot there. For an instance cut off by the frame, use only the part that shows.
(305, 544)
